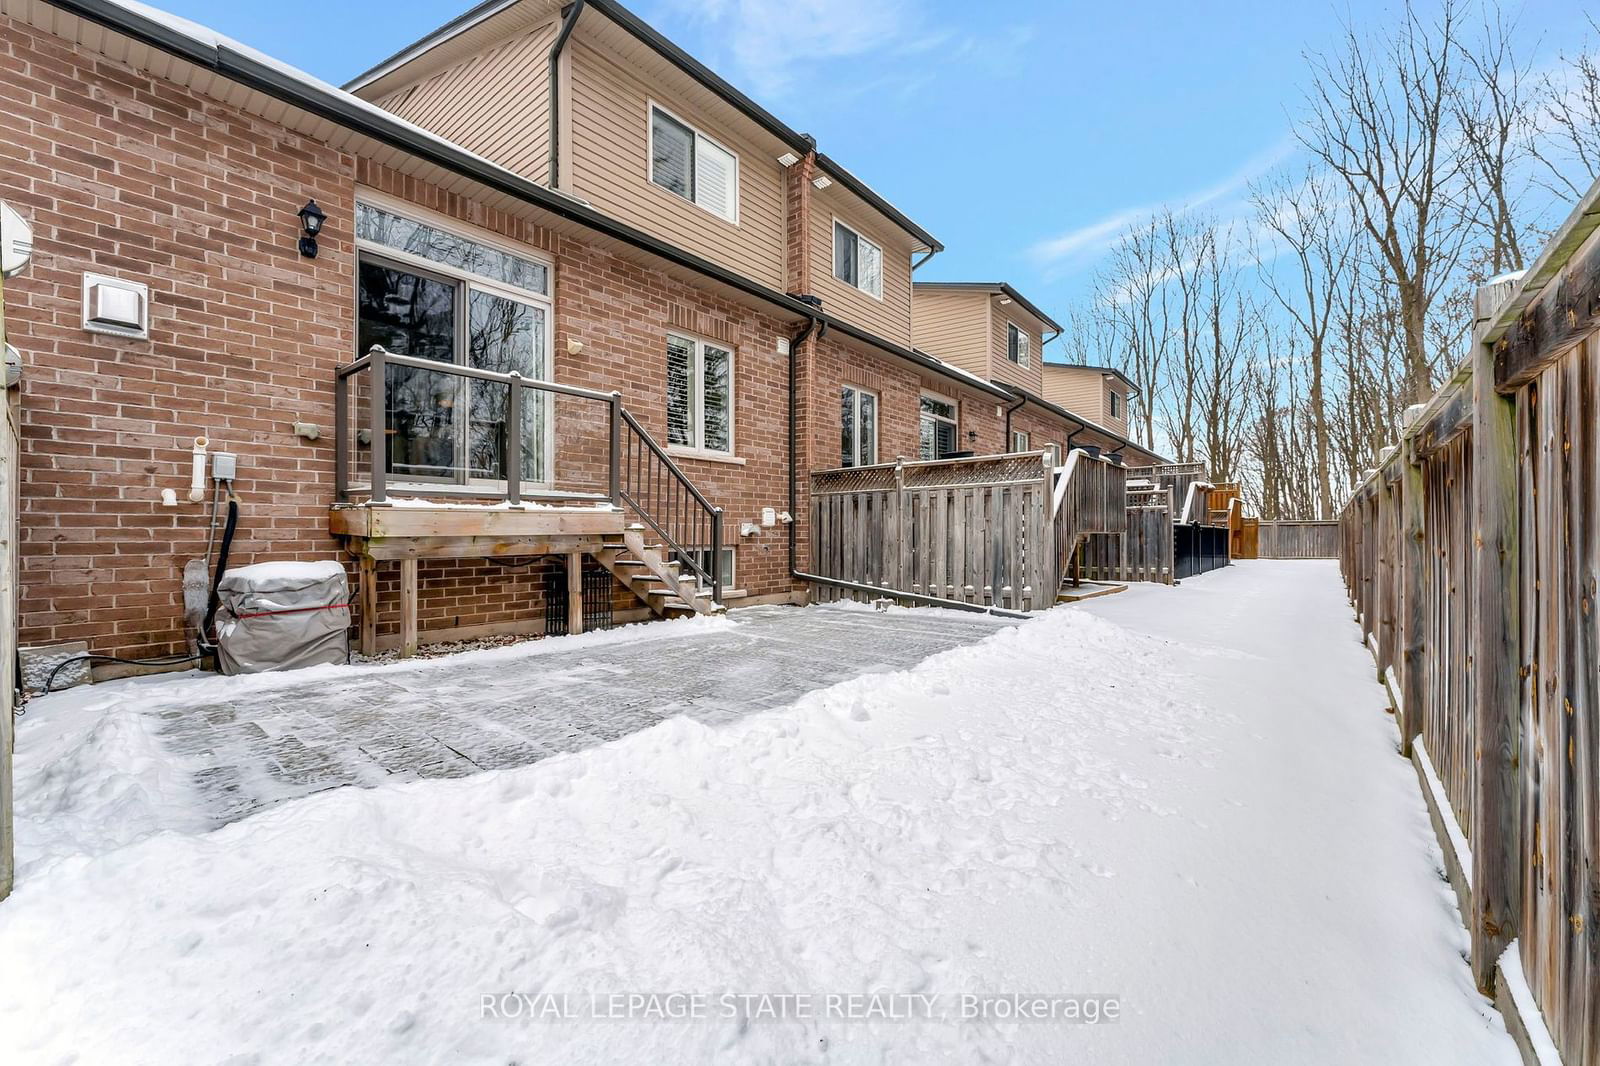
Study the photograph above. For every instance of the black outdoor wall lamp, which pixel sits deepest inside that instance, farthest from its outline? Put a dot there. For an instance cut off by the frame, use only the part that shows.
(311, 219)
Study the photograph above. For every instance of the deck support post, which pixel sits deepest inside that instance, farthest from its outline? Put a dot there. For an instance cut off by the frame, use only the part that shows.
(368, 579)
(575, 593)
(408, 607)
(1495, 815)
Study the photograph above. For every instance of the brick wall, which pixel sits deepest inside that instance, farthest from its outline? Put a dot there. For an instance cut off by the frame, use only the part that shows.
(124, 175)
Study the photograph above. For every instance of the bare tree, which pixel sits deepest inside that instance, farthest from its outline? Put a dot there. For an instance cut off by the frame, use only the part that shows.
(1567, 141)
(1133, 294)
(1381, 119)
(1495, 113)
(1308, 223)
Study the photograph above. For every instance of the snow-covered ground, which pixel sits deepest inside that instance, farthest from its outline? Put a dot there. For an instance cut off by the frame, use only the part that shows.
(1184, 803)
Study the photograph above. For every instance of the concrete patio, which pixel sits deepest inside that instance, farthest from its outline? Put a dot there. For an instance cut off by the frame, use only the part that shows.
(451, 718)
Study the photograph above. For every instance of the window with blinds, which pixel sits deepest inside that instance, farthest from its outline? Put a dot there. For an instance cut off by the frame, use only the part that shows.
(857, 261)
(686, 162)
(699, 394)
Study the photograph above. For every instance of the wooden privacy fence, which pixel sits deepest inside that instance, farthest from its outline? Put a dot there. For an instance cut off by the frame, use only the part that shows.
(995, 531)
(1297, 540)
(1144, 551)
(1471, 555)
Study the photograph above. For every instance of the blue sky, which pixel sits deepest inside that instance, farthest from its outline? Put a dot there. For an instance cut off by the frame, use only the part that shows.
(1021, 134)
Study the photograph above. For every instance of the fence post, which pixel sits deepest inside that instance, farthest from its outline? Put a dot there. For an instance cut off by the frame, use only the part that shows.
(900, 522)
(377, 401)
(716, 555)
(1411, 607)
(513, 459)
(1496, 663)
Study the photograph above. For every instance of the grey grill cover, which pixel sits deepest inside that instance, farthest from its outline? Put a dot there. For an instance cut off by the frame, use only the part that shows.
(263, 622)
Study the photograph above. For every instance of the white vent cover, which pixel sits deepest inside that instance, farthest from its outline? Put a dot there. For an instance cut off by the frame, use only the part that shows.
(16, 241)
(111, 305)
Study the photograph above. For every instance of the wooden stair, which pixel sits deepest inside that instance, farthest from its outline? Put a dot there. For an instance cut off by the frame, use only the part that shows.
(657, 581)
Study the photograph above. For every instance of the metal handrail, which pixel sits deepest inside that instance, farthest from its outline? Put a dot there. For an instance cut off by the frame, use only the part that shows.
(673, 525)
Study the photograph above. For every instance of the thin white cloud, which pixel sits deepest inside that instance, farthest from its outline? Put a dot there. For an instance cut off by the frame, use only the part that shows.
(772, 42)
(1094, 238)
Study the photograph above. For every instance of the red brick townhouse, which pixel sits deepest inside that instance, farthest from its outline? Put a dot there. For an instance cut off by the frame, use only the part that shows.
(555, 193)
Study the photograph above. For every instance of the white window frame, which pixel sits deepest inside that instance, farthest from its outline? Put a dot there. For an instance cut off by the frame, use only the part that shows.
(954, 422)
(697, 395)
(650, 161)
(861, 238)
(1111, 409)
(1024, 343)
(877, 418)
(470, 282)
(702, 556)
(1020, 440)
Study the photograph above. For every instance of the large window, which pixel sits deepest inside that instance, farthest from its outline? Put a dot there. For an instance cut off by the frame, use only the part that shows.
(1016, 344)
(938, 427)
(857, 261)
(687, 162)
(428, 293)
(858, 427)
(699, 394)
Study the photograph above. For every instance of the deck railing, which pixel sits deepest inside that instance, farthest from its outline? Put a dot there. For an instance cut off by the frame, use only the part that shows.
(636, 472)
(982, 532)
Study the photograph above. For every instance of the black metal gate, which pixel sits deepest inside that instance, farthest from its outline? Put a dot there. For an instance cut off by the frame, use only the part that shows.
(596, 599)
(1197, 549)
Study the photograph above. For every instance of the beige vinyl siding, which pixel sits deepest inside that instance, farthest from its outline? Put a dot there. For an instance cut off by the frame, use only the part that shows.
(608, 164)
(1028, 377)
(1120, 422)
(890, 317)
(953, 325)
(1080, 391)
(496, 103)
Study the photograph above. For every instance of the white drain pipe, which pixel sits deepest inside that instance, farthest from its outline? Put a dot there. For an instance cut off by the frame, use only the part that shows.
(197, 484)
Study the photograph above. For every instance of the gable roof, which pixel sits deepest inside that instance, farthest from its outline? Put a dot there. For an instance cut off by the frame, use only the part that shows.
(170, 45)
(997, 288)
(478, 18)
(1133, 389)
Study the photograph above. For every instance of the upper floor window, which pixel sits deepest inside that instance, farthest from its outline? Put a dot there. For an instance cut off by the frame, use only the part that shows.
(857, 261)
(858, 427)
(699, 394)
(1016, 344)
(937, 426)
(1115, 407)
(1019, 441)
(687, 162)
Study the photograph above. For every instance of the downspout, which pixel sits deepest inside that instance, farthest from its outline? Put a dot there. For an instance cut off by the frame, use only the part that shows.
(567, 25)
(1022, 400)
(794, 447)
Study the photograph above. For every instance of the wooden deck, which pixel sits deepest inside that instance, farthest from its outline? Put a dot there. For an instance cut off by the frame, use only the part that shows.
(408, 533)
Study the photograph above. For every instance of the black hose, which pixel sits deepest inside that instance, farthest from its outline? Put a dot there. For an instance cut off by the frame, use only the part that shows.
(222, 565)
(159, 660)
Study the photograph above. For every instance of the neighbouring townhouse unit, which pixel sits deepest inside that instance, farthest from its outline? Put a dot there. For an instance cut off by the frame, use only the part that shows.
(993, 331)
(1099, 393)
(539, 311)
